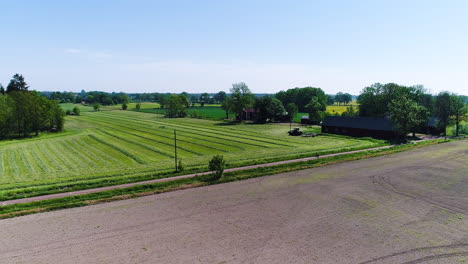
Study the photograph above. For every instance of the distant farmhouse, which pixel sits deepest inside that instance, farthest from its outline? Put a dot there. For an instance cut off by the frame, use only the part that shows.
(247, 114)
(375, 127)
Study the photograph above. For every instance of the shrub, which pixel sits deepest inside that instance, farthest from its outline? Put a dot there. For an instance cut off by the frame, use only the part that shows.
(217, 166)
(180, 165)
(138, 106)
(96, 106)
(76, 110)
(68, 112)
(124, 106)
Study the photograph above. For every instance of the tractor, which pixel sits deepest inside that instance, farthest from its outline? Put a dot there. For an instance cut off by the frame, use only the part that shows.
(295, 132)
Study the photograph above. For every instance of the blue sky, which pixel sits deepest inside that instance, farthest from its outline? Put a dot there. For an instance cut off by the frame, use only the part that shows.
(205, 46)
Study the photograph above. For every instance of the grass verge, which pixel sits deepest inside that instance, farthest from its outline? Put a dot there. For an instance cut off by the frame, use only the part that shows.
(8, 211)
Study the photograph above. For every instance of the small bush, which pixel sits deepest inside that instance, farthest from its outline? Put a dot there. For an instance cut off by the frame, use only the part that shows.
(124, 106)
(180, 165)
(76, 111)
(216, 165)
(138, 106)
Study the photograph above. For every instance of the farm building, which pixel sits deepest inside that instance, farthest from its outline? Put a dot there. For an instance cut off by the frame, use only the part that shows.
(248, 114)
(305, 120)
(360, 127)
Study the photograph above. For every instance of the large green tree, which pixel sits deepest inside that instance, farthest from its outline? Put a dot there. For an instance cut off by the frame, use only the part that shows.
(292, 110)
(302, 96)
(407, 115)
(17, 83)
(443, 110)
(269, 109)
(315, 109)
(176, 106)
(23, 112)
(241, 98)
(374, 100)
(459, 110)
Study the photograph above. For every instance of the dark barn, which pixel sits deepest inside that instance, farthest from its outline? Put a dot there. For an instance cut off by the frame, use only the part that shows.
(360, 127)
(247, 114)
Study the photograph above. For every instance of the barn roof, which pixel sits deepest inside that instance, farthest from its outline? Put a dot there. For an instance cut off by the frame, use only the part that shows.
(370, 123)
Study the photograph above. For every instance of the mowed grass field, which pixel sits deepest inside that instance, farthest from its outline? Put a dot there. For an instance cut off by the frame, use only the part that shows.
(125, 144)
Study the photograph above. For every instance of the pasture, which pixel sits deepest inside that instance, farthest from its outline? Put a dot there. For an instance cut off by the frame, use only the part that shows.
(215, 112)
(103, 145)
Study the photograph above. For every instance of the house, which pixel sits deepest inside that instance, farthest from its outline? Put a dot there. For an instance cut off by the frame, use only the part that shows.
(307, 121)
(248, 114)
(360, 127)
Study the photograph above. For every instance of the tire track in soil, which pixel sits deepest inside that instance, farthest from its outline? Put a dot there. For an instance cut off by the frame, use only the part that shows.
(385, 183)
(463, 253)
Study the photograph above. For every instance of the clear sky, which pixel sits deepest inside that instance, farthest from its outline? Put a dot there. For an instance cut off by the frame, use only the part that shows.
(205, 46)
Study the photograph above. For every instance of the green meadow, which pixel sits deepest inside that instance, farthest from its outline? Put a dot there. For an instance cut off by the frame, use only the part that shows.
(112, 145)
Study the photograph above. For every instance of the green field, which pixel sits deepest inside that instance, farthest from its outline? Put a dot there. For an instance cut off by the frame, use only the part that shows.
(89, 108)
(109, 145)
(216, 113)
(206, 112)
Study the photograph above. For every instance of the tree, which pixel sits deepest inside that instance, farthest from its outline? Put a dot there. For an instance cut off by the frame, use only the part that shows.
(2, 90)
(220, 96)
(23, 112)
(443, 110)
(124, 106)
(138, 106)
(204, 97)
(268, 108)
(315, 109)
(226, 106)
(216, 165)
(330, 99)
(459, 110)
(406, 114)
(347, 98)
(76, 110)
(339, 98)
(350, 111)
(301, 97)
(241, 97)
(17, 84)
(163, 98)
(6, 115)
(291, 108)
(96, 106)
(374, 100)
(78, 99)
(176, 106)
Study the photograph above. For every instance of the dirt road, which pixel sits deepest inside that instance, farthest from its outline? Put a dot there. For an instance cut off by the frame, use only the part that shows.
(410, 207)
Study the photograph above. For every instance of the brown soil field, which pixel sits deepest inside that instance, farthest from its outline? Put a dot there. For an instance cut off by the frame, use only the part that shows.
(410, 207)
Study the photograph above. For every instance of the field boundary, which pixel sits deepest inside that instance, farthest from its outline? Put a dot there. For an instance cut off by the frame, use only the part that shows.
(122, 186)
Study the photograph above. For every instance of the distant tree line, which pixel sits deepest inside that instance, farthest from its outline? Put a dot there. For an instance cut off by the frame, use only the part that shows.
(102, 98)
(23, 112)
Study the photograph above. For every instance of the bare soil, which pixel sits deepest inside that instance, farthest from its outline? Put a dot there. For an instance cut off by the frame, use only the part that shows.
(410, 207)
